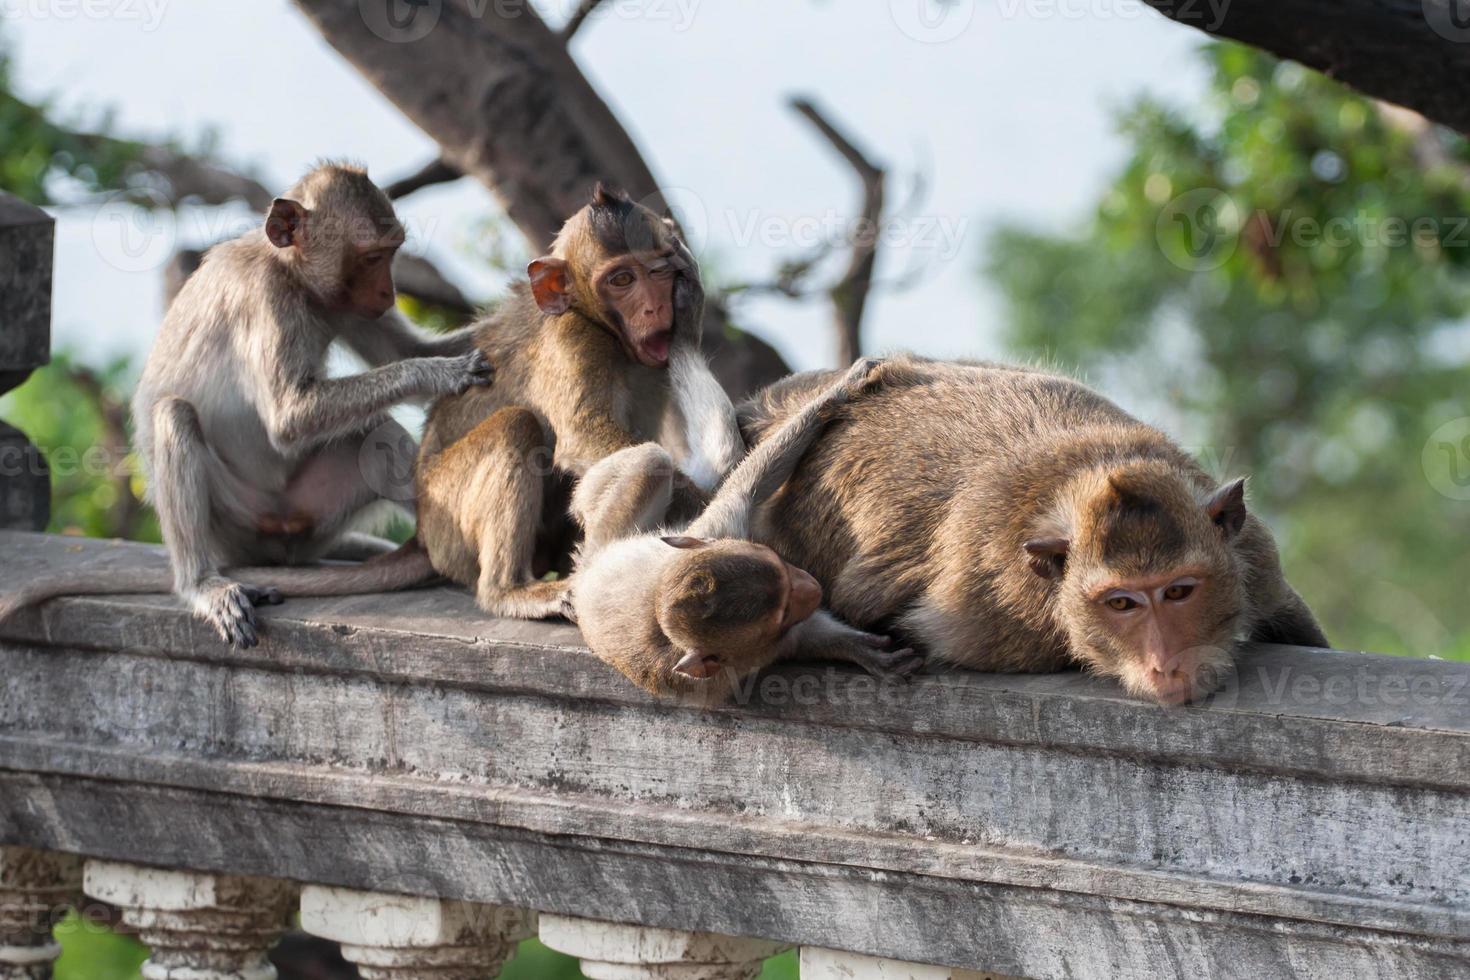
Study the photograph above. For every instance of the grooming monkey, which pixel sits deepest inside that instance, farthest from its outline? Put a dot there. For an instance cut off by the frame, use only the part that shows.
(1011, 520)
(586, 356)
(253, 454)
(692, 612)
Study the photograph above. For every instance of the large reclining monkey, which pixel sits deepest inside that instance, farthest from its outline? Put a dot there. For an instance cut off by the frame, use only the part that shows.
(1011, 520)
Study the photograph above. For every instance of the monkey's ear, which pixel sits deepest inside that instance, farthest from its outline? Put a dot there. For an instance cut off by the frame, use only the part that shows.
(1226, 507)
(1048, 556)
(549, 284)
(285, 225)
(683, 541)
(698, 666)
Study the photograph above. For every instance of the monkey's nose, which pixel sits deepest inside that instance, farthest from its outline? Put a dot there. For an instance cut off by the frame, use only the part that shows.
(1172, 682)
(806, 596)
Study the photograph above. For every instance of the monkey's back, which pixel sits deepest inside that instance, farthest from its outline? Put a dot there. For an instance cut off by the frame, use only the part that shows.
(943, 456)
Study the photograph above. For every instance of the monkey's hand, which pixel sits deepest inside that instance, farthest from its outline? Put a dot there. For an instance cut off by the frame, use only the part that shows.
(871, 652)
(459, 374)
(688, 298)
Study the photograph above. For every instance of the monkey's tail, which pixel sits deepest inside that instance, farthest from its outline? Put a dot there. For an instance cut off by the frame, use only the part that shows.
(400, 569)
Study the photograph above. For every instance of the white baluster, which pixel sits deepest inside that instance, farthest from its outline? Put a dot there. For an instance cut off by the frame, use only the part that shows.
(612, 951)
(197, 926)
(35, 889)
(832, 964)
(405, 937)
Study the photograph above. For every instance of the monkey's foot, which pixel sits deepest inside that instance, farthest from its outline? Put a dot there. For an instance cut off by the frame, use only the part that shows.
(539, 600)
(230, 608)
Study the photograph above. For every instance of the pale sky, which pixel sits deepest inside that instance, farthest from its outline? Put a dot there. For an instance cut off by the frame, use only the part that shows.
(1004, 107)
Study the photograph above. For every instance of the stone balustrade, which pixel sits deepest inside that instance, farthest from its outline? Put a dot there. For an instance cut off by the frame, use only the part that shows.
(425, 786)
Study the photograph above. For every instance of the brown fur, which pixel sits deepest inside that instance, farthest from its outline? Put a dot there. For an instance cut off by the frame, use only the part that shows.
(692, 613)
(916, 512)
(568, 393)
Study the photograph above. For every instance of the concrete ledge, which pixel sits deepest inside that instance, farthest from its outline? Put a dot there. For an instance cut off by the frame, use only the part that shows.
(1317, 811)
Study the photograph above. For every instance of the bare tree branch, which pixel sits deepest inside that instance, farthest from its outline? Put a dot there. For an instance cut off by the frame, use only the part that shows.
(850, 294)
(504, 100)
(579, 16)
(431, 173)
(190, 178)
(1411, 52)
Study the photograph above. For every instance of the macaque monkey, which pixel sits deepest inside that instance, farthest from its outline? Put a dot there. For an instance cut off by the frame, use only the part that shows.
(586, 355)
(1010, 520)
(253, 454)
(691, 612)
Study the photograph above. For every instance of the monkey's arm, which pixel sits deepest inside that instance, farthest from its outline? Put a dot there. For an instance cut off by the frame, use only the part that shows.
(393, 338)
(825, 637)
(772, 462)
(300, 410)
(1291, 623)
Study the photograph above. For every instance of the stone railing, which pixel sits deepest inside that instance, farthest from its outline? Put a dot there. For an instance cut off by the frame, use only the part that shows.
(426, 786)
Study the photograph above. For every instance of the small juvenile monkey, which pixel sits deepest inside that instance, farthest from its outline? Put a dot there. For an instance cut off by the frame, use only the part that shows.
(1011, 520)
(255, 456)
(692, 612)
(586, 355)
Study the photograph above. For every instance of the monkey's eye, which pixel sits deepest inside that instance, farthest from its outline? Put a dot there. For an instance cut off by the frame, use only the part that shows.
(1179, 591)
(663, 272)
(1120, 603)
(621, 279)
(372, 258)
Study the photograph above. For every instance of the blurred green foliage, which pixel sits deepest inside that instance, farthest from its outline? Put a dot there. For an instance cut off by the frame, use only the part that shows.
(1280, 276)
(78, 417)
(37, 151)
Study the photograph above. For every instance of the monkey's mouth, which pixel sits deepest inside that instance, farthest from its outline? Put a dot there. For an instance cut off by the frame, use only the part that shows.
(653, 350)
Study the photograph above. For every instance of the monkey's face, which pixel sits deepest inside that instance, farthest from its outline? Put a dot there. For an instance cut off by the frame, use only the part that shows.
(637, 291)
(1165, 635)
(367, 279)
(617, 263)
(343, 246)
(727, 605)
(1149, 589)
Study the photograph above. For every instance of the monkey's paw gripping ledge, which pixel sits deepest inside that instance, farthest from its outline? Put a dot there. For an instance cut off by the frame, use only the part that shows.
(420, 782)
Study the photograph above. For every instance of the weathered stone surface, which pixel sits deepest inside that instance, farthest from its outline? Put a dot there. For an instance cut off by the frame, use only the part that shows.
(1313, 819)
(25, 289)
(25, 343)
(832, 964)
(36, 889)
(25, 483)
